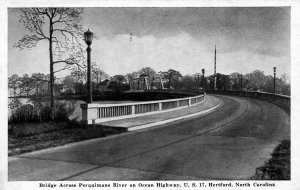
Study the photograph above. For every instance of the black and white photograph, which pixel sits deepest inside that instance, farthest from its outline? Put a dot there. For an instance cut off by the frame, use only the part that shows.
(150, 95)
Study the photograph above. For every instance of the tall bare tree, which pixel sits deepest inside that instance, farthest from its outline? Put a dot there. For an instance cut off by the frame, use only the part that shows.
(61, 29)
(98, 74)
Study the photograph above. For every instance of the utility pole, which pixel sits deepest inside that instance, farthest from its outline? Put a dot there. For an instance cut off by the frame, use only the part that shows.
(274, 83)
(215, 81)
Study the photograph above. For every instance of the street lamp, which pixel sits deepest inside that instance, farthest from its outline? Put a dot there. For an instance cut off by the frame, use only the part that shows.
(274, 68)
(203, 71)
(88, 37)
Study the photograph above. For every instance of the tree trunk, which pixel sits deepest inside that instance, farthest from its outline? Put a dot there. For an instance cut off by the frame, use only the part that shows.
(77, 82)
(51, 72)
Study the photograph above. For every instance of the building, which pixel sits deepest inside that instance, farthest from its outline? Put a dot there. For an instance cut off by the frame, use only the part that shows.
(103, 86)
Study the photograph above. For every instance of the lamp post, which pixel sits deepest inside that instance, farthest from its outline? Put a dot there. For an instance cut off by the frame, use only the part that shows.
(203, 71)
(274, 69)
(88, 37)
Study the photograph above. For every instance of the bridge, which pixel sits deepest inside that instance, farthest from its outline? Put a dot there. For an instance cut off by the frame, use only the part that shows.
(220, 135)
(95, 113)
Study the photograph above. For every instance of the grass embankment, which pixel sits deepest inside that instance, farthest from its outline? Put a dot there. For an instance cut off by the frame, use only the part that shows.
(28, 137)
(279, 166)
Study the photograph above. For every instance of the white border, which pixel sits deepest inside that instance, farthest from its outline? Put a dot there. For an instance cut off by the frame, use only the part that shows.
(295, 67)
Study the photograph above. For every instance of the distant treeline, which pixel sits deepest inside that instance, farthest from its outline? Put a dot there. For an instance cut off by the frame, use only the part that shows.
(74, 83)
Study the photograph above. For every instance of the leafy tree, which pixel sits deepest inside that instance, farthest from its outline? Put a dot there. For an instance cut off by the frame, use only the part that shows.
(147, 71)
(69, 83)
(284, 78)
(171, 74)
(282, 87)
(285, 86)
(256, 79)
(41, 82)
(151, 73)
(26, 85)
(197, 79)
(130, 76)
(79, 75)
(14, 104)
(268, 84)
(61, 29)
(223, 81)
(14, 83)
(187, 82)
(235, 81)
(118, 79)
(118, 84)
(210, 79)
(34, 85)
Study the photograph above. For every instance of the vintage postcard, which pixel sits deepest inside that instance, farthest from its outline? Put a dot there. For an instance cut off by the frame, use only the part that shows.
(150, 94)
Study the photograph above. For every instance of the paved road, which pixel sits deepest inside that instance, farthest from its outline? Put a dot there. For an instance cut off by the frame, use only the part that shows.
(226, 144)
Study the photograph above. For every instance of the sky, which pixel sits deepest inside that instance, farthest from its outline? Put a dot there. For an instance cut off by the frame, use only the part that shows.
(172, 38)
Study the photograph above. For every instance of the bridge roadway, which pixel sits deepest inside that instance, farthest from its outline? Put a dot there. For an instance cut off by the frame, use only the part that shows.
(228, 143)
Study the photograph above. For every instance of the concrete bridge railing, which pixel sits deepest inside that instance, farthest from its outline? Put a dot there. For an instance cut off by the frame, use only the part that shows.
(280, 100)
(95, 113)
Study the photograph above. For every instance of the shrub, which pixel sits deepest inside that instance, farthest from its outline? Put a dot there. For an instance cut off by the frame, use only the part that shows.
(25, 113)
(45, 114)
(13, 130)
(40, 113)
(61, 113)
(14, 103)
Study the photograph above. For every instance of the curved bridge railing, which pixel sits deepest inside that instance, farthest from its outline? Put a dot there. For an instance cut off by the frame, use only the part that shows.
(95, 113)
(280, 100)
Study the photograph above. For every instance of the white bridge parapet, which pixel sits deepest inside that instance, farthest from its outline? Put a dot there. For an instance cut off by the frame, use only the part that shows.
(96, 113)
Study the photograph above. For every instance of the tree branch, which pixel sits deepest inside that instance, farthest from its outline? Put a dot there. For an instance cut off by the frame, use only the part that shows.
(60, 61)
(65, 67)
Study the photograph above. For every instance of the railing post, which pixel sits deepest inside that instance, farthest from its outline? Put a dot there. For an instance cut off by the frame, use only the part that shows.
(132, 109)
(159, 106)
(190, 102)
(89, 113)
